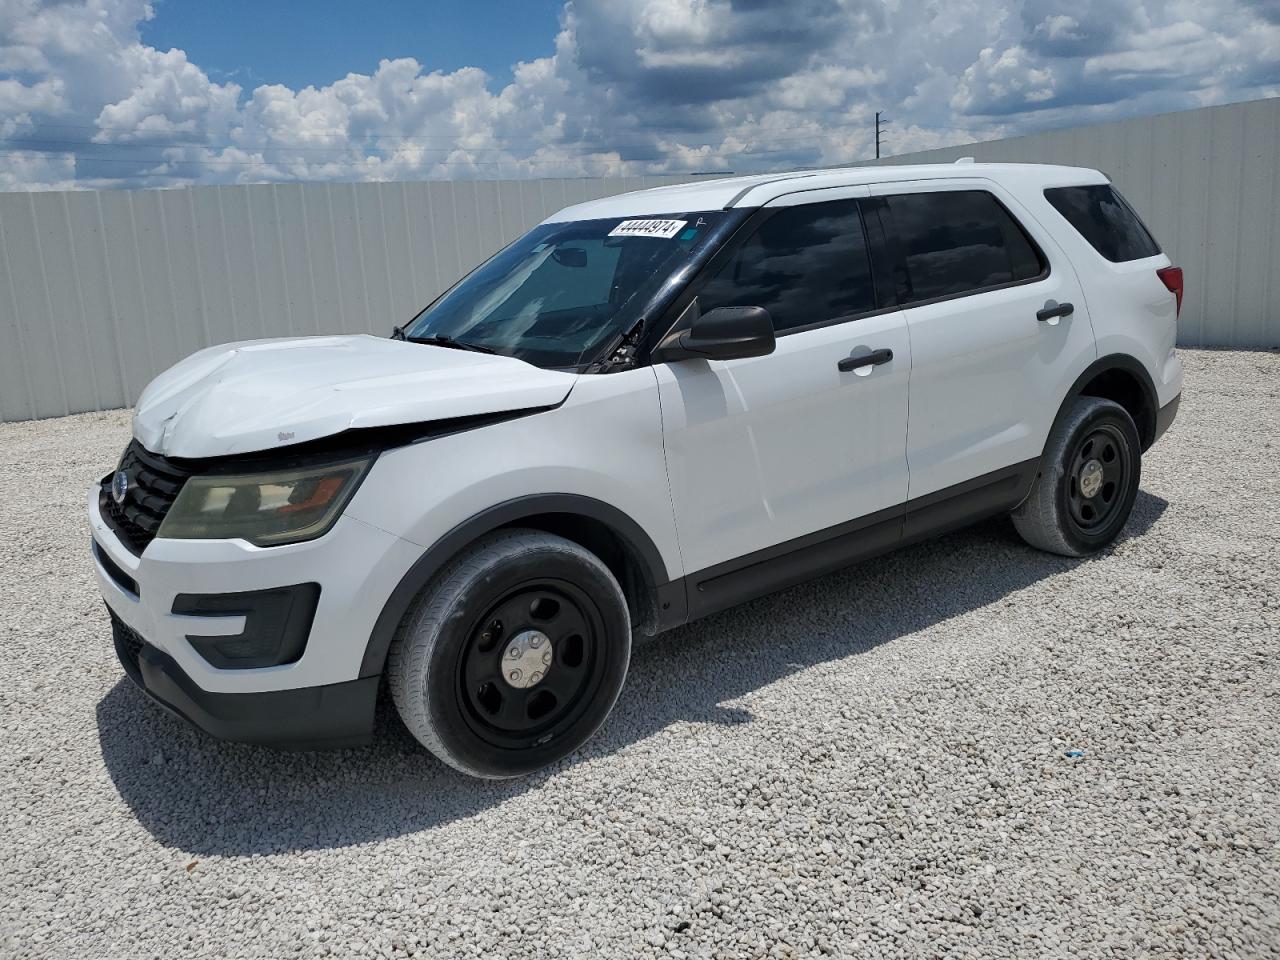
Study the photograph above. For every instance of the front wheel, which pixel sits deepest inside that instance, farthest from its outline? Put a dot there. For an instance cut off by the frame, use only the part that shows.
(513, 656)
(1088, 480)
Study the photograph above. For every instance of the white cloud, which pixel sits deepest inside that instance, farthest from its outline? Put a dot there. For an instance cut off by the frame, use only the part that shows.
(42, 97)
(1003, 81)
(48, 171)
(169, 96)
(644, 86)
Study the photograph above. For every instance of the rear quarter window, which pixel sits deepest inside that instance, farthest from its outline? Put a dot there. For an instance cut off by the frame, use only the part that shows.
(1105, 219)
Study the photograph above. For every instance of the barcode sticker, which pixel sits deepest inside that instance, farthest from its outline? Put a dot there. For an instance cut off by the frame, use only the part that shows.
(666, 229)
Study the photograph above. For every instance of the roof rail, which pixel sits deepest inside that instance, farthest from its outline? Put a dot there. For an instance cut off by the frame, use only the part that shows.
(764, 183)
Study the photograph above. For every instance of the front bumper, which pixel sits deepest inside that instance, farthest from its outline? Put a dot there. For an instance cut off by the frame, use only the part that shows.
(307, 718)
(316, 693)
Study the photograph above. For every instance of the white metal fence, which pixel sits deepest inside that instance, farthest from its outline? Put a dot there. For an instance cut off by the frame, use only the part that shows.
(1207, 183)
(100, 291)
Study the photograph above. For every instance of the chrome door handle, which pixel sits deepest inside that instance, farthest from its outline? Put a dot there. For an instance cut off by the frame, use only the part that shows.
(872, 359)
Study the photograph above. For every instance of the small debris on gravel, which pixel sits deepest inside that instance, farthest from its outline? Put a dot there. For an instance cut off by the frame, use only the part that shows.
(875, 764)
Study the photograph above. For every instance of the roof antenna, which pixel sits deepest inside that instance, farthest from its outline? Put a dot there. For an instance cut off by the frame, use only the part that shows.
(964, 160)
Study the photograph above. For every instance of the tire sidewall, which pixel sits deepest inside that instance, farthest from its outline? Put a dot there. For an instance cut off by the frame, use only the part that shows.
(1099, 412)
(441, 692)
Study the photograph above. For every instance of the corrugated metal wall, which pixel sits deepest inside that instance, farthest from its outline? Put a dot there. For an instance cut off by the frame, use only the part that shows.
(1207, 183)
(100, 291)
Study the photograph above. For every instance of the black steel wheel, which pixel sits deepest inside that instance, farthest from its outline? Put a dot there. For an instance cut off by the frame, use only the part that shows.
(532, 663)
(1097, 477)
(1088, 480)
(513, 656)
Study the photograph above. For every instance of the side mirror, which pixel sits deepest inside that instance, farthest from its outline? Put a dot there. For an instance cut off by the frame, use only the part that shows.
(725, 333)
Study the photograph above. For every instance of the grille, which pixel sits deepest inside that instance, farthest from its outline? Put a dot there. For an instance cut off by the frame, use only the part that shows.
(129, 646)
(128, 637)
(154, 483)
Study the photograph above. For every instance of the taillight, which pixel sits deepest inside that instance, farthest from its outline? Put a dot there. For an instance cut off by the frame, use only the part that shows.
(1172, 279)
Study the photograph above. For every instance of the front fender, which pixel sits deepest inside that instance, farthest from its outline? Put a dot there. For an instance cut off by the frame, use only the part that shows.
(501, 515)
(598, 455)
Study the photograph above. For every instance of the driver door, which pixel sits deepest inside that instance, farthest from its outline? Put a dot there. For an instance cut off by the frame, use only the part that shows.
(790, 464)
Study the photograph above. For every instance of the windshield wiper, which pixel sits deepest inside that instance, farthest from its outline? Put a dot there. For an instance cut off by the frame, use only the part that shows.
(441, 340)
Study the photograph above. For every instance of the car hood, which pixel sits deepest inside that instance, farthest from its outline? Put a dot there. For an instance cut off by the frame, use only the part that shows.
(262, 394)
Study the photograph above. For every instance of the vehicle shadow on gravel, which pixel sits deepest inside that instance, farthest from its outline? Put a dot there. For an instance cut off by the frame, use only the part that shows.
(207, 797)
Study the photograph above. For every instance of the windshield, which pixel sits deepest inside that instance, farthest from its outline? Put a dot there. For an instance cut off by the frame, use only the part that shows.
(562, 292)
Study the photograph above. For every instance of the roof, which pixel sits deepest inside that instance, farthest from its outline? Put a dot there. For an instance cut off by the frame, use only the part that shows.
(758, 190)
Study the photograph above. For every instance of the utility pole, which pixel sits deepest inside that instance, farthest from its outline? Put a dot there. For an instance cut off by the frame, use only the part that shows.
(879, 123)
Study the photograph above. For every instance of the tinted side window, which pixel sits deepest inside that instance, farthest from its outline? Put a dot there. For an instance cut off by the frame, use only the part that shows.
(1106, 220)
(805, 264)
(960, 242)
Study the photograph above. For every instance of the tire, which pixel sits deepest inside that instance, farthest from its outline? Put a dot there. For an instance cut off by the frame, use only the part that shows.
(1095, 447)
(462, 692)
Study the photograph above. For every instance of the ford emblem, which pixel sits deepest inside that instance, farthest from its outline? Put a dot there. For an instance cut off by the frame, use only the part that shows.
(119, 486)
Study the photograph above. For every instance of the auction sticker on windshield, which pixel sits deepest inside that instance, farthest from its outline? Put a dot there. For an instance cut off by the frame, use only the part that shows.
(666, 229)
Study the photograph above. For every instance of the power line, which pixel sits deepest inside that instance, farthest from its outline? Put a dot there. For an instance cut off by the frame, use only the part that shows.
(644, 136)
(355, 165)
(348, 157)
(371, 135)
(356, 143)
(342, 155)
(73, 145)
(352, 164)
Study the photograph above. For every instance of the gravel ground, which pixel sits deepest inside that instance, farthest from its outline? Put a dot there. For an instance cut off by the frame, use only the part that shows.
(874, 764)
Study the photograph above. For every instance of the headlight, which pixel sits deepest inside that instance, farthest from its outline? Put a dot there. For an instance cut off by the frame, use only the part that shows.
(267, 509)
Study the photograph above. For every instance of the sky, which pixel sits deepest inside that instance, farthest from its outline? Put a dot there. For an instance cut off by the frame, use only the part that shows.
(107, 93)
(317, 42)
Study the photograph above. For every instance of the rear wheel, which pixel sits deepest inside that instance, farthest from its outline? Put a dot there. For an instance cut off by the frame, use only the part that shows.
(513, 656)
(1088, 480)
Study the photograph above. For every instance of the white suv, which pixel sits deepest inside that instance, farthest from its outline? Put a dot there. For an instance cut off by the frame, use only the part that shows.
(645, 410)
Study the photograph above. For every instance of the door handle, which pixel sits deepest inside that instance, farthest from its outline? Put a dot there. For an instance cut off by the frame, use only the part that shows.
(1053, 312)
(872, 359)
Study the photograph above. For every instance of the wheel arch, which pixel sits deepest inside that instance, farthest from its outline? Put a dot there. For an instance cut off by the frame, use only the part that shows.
(1121, 378)
(613, 536)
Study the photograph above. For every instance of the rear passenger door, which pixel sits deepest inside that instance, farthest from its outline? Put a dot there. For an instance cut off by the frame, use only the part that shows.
(975, 275)
(766, 450)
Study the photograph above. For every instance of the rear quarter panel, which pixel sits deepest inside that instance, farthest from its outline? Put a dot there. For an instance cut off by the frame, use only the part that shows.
(1132, 311)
